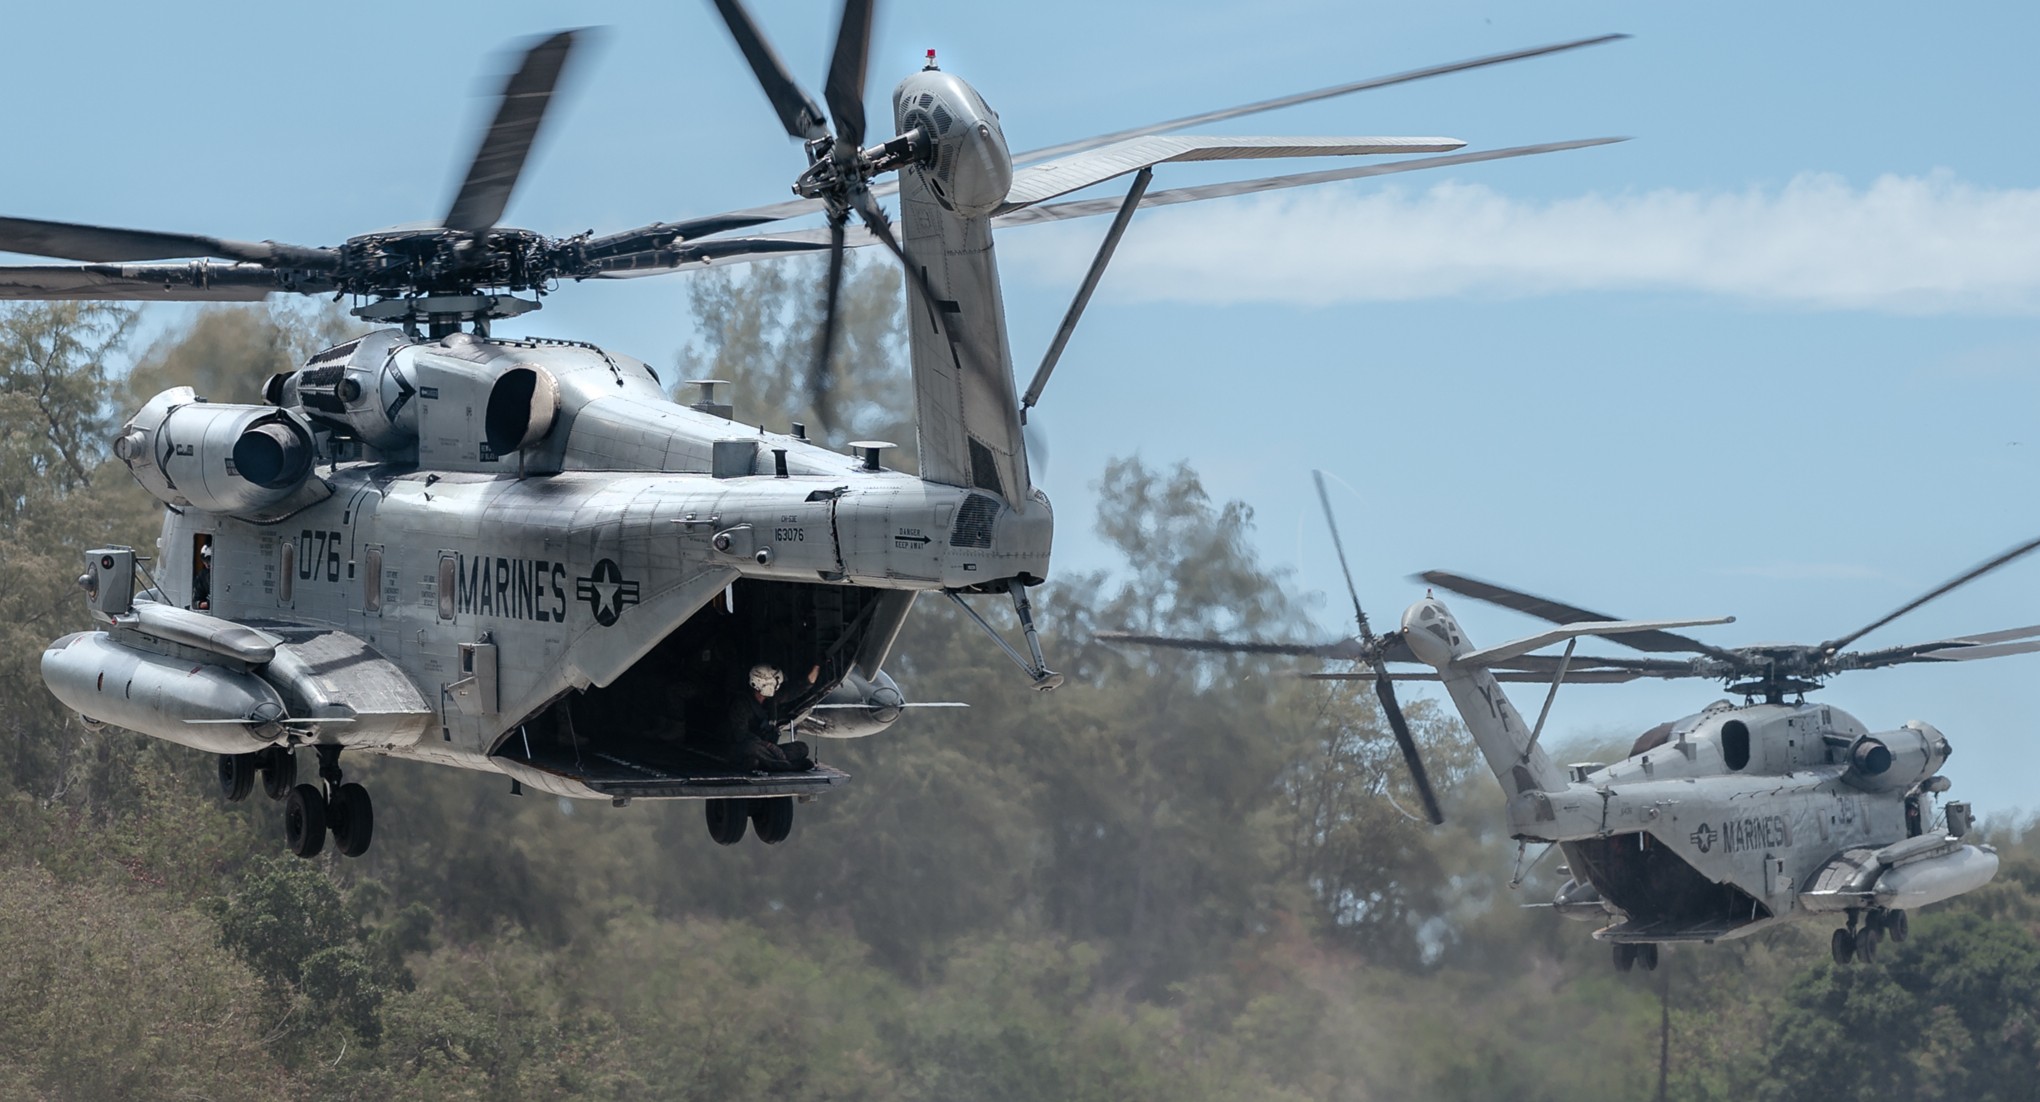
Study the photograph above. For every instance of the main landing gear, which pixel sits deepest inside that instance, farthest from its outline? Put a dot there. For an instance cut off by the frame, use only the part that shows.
(1878, 923)
(771, 816)
(1629, 954)
(275, 765)
(310, 812)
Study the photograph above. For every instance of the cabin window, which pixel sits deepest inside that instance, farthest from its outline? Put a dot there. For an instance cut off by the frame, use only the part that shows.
(371, 580)
(446, 584)
(1735, 743)
(286, 570)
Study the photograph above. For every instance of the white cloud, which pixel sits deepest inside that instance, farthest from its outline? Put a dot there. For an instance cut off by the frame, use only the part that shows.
(1913, 245)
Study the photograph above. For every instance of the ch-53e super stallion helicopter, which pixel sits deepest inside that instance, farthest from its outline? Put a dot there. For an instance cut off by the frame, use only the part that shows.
(1720, 824)
(519, 555)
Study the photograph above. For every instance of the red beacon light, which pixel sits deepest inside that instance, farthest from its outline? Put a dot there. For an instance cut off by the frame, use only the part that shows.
(931, 61)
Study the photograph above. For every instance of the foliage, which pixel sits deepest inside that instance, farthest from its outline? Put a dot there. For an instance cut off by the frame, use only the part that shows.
(759, 326)
(1949, 1013)
(1181, 876)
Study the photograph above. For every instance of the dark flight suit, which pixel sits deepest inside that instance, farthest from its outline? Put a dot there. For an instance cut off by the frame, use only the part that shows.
(753, 738)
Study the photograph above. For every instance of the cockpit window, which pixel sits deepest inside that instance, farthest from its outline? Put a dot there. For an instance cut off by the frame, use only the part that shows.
(1428, 614)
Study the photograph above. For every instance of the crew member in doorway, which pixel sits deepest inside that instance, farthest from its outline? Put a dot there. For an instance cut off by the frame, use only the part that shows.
(755, 724)
(201, 581)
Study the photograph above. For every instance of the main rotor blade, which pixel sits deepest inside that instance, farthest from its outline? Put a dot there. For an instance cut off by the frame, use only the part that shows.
(1979, 650)
(659, 235)
(1384, 690)
(1970, 575)
(1349, 649)
(1572, 677)
(821, 379)
(1557, 612)
(1224, 113)
(700, 254)
(1939, 650)
(798, 111)
(845, 88)
(499, 160)
(1086, 208)
(75, 241)
(199, 281)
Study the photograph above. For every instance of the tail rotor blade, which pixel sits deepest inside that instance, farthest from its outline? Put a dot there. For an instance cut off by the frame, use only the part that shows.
(499, 161)
(822, 380)
(1384, 690)
(875, 221)
(1366, 633)
(798, 111)
(845, 88)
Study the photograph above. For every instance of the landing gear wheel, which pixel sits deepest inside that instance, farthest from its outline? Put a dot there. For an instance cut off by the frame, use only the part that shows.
(1898, 926)
(1866, 944)
(237, 776)
(1646, 955)
(304, 821)
(726, 820)
(279, 771)
(1843, 946)
(1625, 956)
(772, 818)
(351, 817)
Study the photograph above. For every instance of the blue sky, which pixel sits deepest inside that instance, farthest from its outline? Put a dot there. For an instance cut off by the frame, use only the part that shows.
(1776, 357)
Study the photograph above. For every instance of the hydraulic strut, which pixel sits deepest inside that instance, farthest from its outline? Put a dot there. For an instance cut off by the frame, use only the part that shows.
(1043, 678)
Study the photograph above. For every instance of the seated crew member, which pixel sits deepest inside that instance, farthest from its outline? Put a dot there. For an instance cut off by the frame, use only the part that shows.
(754, 726)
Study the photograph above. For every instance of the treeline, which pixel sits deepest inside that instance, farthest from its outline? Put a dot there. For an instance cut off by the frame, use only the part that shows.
(1180, 877)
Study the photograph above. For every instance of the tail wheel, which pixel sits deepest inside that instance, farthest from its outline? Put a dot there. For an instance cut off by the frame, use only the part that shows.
(237, 776)
(726, 820)
(351, 818)
(772, 818)
(279, 771)
(1842, 946)
(304, 821)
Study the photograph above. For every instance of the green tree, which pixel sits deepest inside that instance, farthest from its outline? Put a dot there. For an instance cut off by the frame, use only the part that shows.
(759, 325)
(58, 492)
(1950, 1013)
(293, 927)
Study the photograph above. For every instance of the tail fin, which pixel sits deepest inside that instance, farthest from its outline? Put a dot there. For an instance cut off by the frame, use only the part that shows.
(1503, 737)
(967, 411)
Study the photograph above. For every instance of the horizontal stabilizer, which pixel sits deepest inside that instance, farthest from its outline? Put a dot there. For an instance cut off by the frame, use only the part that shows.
(1516, 648)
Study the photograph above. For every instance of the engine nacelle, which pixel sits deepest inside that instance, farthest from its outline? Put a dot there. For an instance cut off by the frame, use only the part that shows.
(968, 167)
(218, 458)
(857, 708)
(1894, 761)
(360, 386)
